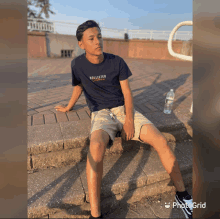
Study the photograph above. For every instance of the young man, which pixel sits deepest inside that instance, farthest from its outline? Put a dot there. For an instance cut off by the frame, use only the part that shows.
(104, 79)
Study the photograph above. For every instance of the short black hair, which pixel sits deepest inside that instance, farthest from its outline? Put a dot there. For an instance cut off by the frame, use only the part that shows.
(82, 27)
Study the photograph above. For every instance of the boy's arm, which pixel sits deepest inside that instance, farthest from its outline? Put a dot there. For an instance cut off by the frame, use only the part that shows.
(128, 100)
(77, 91)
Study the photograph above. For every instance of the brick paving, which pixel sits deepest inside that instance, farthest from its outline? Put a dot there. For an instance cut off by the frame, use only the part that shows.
(49, 84)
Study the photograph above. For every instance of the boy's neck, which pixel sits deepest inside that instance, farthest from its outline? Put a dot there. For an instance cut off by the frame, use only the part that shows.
(95, 59)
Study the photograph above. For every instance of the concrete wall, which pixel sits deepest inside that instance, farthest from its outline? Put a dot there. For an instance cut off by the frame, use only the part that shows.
(143, 49)
(58, 42)
(152, 49)
(50, 45)
(36, 45)
(187, 48)
(116, 46)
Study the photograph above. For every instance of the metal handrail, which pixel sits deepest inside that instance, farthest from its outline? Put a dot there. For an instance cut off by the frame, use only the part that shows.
(170, 49)
(177, 55)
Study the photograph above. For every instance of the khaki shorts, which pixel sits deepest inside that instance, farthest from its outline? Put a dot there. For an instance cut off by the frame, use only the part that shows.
(102, 120)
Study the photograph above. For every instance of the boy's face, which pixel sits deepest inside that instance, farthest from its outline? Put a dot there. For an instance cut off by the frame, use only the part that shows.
(91, 40)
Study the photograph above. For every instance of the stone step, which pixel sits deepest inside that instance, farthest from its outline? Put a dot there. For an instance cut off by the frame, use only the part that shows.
(127, 177)
(61, 144)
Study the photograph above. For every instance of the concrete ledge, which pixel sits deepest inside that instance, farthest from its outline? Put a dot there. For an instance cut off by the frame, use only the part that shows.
(57, 145)
(44, 138)
(36, 33)
(179, 135)
(147, 191)
(53, 188)
(76, 133)
(134, 170)
(57, 159)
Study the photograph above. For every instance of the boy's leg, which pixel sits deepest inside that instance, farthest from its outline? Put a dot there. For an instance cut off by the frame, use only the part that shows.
(94, 168)
(151, 135)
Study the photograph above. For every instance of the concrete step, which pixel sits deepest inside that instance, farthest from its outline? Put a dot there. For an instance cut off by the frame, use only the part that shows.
(127, 177)
(61, 144)
(147, 207)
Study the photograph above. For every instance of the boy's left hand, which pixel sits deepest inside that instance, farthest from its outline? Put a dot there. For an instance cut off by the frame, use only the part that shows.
(128, 130)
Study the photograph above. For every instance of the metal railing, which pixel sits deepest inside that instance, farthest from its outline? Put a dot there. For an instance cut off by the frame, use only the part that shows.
(177, 55)
(40, 25)
(68, 28)
(159, 34)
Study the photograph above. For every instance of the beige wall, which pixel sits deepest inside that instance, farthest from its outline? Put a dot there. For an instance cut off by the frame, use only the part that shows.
(41, 45)
(58, 42)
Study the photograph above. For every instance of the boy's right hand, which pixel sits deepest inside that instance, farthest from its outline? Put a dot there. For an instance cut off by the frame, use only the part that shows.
(61, 108)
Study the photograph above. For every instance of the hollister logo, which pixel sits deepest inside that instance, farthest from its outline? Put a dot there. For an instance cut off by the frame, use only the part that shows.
(98, 78)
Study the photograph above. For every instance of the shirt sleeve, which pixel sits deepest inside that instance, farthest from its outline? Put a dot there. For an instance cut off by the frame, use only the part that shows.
(75, 78)
(124, 70)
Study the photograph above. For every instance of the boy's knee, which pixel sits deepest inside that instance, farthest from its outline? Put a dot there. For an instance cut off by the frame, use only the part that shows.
(162, 139)
(97, 150)
(97, 145)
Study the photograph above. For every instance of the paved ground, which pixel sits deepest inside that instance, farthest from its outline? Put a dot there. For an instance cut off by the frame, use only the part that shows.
(49, 84)
(152, 207)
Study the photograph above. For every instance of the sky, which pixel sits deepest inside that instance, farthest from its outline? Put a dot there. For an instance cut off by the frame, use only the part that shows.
(131, 14)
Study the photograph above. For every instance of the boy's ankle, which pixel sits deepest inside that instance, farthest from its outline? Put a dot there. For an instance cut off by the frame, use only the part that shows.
(91, 217)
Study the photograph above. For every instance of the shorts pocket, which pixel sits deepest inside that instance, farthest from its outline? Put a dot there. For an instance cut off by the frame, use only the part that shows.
(120, 111)
(93, 115)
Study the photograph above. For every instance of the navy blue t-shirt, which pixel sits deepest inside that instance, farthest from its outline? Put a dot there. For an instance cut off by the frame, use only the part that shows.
(100, 82)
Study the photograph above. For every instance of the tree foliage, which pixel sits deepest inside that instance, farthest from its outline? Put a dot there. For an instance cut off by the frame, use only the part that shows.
(44, 6)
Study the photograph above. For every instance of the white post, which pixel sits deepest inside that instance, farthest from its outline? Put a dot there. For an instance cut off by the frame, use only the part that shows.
(53, 27)
(151, 35)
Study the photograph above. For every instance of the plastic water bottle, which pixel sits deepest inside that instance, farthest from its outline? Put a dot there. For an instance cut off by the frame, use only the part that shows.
(169, 102)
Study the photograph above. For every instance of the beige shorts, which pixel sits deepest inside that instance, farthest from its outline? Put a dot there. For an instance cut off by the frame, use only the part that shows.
(102, 120)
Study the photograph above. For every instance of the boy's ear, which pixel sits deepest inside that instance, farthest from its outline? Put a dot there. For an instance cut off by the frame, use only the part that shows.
(80, 44)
